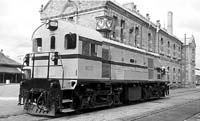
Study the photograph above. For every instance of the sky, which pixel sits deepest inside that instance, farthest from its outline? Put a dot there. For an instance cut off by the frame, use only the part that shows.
(19, 18)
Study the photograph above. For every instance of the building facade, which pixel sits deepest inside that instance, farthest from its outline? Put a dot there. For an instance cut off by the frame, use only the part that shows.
(9, 70)
(124, 23)
(189, 61)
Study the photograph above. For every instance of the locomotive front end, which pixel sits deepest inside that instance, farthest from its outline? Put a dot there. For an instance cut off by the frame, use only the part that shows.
(40, 93)
(44, 78)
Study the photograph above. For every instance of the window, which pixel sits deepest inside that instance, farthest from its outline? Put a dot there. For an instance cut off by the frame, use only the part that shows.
(158, 76)
(174, 46)
(53, 41)
(149, 42)
(70, 41)
(89, 48)
(85, 48)
(71, 18)
(114, 26)
(122, 30)
(168, 69)
(93, 49)
(136, 35)
(161, 41)
(37, 45)
(174, 74)
(149, 36)
(168, 43)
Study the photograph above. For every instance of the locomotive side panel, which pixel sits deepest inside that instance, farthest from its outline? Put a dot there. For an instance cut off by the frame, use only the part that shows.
(70, 68)
(157, 69)
(117, 60)
(89, 63)
(126, 64)
(89, 69)
(154, 68)
(135, 65)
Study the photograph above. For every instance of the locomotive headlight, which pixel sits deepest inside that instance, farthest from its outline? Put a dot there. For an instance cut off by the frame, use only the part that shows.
(52, 25)
(73, 83)
(68, 84)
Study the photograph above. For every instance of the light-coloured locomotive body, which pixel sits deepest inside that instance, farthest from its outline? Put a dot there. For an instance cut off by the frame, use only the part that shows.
(75, 68)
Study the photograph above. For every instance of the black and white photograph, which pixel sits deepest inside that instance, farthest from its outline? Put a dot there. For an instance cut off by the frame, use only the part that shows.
(99, 60)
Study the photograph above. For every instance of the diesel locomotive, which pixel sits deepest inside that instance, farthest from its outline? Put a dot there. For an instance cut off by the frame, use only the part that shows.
(73, 68)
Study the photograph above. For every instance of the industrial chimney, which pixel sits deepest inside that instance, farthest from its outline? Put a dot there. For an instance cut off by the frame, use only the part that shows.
(131, 6)
(170, 22)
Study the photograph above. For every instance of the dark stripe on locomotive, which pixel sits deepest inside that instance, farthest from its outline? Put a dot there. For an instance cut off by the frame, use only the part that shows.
(79, 56)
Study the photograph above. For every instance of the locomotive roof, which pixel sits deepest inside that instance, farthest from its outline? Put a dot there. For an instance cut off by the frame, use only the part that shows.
(93, 34)
(130, 47)
(82, 31)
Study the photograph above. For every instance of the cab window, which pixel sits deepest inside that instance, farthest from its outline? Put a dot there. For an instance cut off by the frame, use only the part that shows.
(70, 41)
(53, 42)
(89, 47)
(37, 45)
(86, 48)
(93, 49)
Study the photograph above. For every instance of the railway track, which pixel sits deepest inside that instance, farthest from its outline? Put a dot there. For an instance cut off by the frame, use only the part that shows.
(183, 92)
(163, 110)
(148, 114)
(135, 118)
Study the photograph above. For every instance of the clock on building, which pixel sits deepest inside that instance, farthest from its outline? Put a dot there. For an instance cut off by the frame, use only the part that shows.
(103, 23)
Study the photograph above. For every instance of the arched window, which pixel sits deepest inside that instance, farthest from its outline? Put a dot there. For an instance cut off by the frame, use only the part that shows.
(136, 34)
(149, 36)
(174, 46)
(161, 41)
(149, 39)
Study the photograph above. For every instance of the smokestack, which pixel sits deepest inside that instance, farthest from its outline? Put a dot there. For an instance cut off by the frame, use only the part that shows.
(131, 6)
(147, 16)
(170, 22)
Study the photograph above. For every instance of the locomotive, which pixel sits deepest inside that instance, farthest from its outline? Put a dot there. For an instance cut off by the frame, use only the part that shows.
(73, 68)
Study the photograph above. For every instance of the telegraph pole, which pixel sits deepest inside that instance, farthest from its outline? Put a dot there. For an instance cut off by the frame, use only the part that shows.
(185, 75)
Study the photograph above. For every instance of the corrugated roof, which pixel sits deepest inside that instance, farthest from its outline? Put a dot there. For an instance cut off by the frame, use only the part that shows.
(9, 70)
(4, 60)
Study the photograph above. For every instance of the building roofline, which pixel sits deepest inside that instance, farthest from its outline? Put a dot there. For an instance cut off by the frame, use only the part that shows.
(144, 19)
(106, 3)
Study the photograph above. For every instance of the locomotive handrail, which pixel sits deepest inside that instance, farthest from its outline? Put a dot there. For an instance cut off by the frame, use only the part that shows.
(63, 71)
(33, 65)
(33, 55)
(48, 66)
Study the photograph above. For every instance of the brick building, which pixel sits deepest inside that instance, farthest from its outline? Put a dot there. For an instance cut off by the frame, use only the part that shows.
(123, 23)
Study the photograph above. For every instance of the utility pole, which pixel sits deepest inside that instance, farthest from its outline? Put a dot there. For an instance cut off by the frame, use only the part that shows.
(185, 63)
